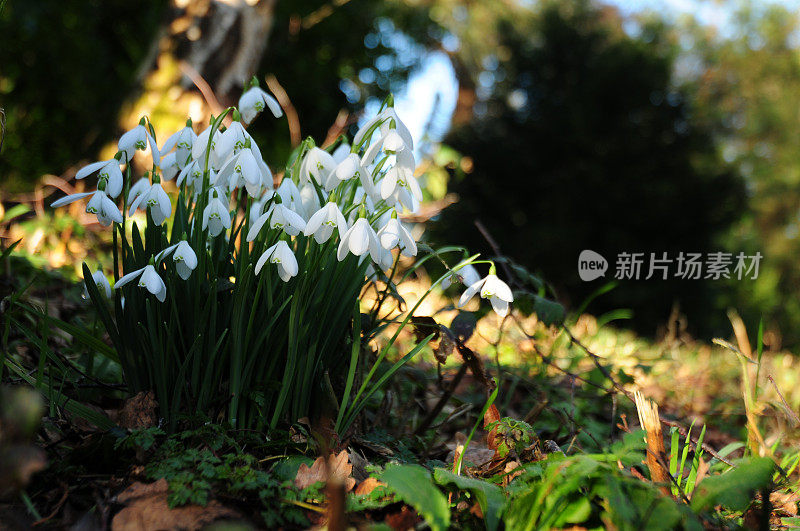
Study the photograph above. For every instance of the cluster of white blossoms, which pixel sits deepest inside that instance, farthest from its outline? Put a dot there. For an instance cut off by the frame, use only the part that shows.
(354, 193)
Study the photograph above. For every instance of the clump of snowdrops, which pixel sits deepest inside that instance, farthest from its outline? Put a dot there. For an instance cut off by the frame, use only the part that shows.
(239, 298)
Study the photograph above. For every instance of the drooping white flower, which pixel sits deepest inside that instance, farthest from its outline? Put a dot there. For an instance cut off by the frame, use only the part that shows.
(216, 216)
(185, 259)
(148, 278)
(341, 152)
(280, 217)
(349, 168)
(317, 164)
(169, 166)
(252, 103)
(384, 121)
(192, 173)
(393, 142)
(467, 275)
(243, 168)
(218, 153)
(309, 203)
(400, 177)
(182, 141)
(137, 139)
(324, 220)
(104, 208)
(393, 122)
(492, 288)
(395, 234)
(359, 239)
(155, 199)
(100, 204)
(282, 255)
(101, 281)
(142, 186)
(108, 171)
(183, 255)
(386, 259)
(235, 138)
(71, 198)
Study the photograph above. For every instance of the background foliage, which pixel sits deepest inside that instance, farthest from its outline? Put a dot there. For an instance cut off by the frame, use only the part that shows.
(590, 126)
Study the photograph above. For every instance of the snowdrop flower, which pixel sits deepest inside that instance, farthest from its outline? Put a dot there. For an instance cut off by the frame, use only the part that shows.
(292, 197)
(182, 141)
(400, 177)
(280, 217)
(100, 204)
(169, 166)
(386, 259)
(349, 168)
(218, 148)
(216, 216)
(492, 288)
(317, 164)
(184, 257)
(252, 103)
(101, 282)
(108, 171)
(393, 142)
(141, 186)
(148, 278)
(309, 201)
(324, 220)
(155, 199)
(387, 120)
(235, 138)
(392, 122)
(191, 173)
(104, 208)
(280, 254)
(359, 239)
(393, 233)
(137, 139)
(341, 152)
(243, 168)
(185, 260)
(467, 275)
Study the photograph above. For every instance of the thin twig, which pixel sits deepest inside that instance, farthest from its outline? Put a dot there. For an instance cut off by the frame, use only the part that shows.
(448, 392)
(787, 410)
(295, 136)
(204, 88)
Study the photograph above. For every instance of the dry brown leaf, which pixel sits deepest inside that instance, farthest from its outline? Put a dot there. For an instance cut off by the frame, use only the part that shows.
(368, 485)
(785, 502)
(476, 452)
(148, 509)
(492, 415)
(476, 510)
(403, 520)
(139, 411)
(511, 471)
(339, 466)
(17, 464)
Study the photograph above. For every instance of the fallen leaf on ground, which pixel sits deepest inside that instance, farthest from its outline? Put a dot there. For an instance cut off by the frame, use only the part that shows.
(403, 520)
(368, 485)
(476, 453)
(338, 465)
(139, 411)
(147, 509)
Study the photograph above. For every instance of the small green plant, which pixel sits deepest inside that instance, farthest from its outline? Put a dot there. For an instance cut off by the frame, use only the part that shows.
(676, 470)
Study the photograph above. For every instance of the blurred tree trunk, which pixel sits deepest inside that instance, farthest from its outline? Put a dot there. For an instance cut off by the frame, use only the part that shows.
(210, 46)
(465, 102)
